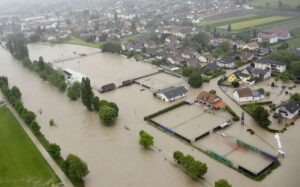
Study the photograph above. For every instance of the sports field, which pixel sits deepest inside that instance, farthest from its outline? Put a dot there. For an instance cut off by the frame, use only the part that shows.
(254, 22)
(22, 165)
(192, 121)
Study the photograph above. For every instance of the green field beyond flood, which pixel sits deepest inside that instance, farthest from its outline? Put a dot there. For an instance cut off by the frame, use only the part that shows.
(22, 165)
(254, 22)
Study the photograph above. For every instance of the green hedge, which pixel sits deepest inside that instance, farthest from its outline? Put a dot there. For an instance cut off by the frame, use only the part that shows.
(235, 117)
(165, 110)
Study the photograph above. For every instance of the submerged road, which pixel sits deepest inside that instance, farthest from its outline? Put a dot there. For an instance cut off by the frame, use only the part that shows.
(64, 180)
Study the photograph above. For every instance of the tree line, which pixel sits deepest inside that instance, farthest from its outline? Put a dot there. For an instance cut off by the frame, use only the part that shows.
(16, 45)
(46, 72)
(73, 166)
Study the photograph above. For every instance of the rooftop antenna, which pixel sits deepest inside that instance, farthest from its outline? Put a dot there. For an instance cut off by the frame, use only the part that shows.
(280, 152)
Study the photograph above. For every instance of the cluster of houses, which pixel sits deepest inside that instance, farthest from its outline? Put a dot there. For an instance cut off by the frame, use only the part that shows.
(259, 70)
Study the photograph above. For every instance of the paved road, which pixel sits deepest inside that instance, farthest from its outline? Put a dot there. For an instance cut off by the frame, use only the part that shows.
(51, 162)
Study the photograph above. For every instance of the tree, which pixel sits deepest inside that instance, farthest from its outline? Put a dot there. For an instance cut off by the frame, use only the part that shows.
(229, 28)
(103, 37)
(146, 140)
(283, 46)
(108, 115)
(212, 91)
(96, 103)
(261, 115)
(187, 71)
(54, 150)
(41, 63)
(295, 68)
(75, 167)
(235, 84)
(35, 127)
(195, 80)
(87, 93)
(222, 183)
(111, 47)
(74, 91)
(296, 97)
(178, 156)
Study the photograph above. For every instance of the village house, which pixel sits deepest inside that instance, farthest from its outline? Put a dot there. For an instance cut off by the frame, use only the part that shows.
(283, 35)
(171, 40)
(267, 37)
(239, 76)
(189, 53)
(251, 46)
(273, 65)
(246, 56)
(261, 74)
(150, 44)
(287, 109)
(206, 58)
(239, 44)
(226, 62)
(175, 59)
(171, 93)
(210, 100)
(212, 67)
(246, 94)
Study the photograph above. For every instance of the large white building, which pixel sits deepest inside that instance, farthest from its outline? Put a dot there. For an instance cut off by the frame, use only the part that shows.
(246, 94)
(73, 76)
(273, 65)
(171, 93)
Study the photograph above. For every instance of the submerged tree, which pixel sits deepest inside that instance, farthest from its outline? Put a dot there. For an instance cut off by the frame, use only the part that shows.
(146, 140)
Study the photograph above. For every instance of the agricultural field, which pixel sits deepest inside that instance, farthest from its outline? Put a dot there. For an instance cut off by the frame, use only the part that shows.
(21, 162)
(254, 23)
(78, 41)
(223, 21)
(274, 3)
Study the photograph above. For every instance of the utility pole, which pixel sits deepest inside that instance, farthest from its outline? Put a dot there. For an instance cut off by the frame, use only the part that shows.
(242, 119)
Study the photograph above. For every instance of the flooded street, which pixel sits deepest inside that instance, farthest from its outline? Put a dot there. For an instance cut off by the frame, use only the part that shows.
(113, 154)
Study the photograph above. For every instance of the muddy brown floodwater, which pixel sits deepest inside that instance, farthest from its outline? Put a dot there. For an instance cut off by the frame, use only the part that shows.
(113, 154)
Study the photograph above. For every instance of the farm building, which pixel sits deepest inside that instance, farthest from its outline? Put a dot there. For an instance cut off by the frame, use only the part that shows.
(171, 93)
(73, 76)
(107, 88)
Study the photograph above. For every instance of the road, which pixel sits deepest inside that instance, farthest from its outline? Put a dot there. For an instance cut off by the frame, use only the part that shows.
(48, 158)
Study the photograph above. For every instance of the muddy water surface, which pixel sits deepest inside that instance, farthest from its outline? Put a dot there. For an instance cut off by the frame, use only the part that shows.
(112, 153)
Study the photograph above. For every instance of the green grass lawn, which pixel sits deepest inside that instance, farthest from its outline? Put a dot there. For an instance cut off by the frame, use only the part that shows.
(273, 3)
(78, 41)
(226, 20)
(130, 38)
(254, 22)
(21, 164)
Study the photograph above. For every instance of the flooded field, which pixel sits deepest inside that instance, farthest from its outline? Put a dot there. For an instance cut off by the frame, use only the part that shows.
(192, 121)
(113, 154)
(161, 81)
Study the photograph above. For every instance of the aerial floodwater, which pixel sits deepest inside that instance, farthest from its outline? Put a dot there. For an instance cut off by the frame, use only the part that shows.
(113, 154)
